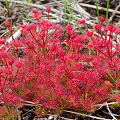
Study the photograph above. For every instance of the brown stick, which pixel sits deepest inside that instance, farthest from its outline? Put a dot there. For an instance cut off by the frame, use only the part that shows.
(100, 8)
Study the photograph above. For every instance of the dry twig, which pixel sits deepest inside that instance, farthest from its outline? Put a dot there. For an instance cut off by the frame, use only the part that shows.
(111, 113)
(99, 118)
(100, 8)
(113, 14)
(18, 114)
(104, 104)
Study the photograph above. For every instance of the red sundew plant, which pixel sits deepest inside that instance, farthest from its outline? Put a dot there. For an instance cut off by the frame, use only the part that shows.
(78, 75)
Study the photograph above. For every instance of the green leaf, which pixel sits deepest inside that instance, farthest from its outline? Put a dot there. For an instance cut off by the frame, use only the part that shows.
(29, 1)
(6, 2)
(107, 12)
(97, 11)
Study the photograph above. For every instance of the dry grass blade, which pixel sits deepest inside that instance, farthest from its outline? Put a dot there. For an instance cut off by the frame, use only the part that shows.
(111, 113)
(104, 104)
(18, 114)
(63, 118)
(43, 8)
(99, 118)
(4, 33)
(15, 36)
(79, 9)
(33, 5)
(113, 14)
(29, 103)
(100, 8)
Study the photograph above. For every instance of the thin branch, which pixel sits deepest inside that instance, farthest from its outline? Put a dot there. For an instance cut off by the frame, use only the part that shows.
(100, 8)
(104, 104)
(113, 14)
(111, 113)
(99, 118)
(4, 33)
(17, 111)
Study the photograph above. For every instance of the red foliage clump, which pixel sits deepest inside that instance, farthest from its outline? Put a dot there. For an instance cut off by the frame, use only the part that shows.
(79, 74)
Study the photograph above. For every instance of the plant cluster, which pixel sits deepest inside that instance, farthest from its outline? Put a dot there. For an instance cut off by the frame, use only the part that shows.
(77, 71)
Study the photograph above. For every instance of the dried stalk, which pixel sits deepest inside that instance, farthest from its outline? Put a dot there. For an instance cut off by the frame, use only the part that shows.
(100, 8)
(111, 113)
(99, 118)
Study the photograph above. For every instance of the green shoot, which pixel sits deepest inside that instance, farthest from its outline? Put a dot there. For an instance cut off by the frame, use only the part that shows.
(30, 111)
(107, 12)
(16, 28)
(70, 19)
(24, 10)
(7, 5)
(65, 3)
(11, 23)
(29, 1)
(97, 11)
(70, 11)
